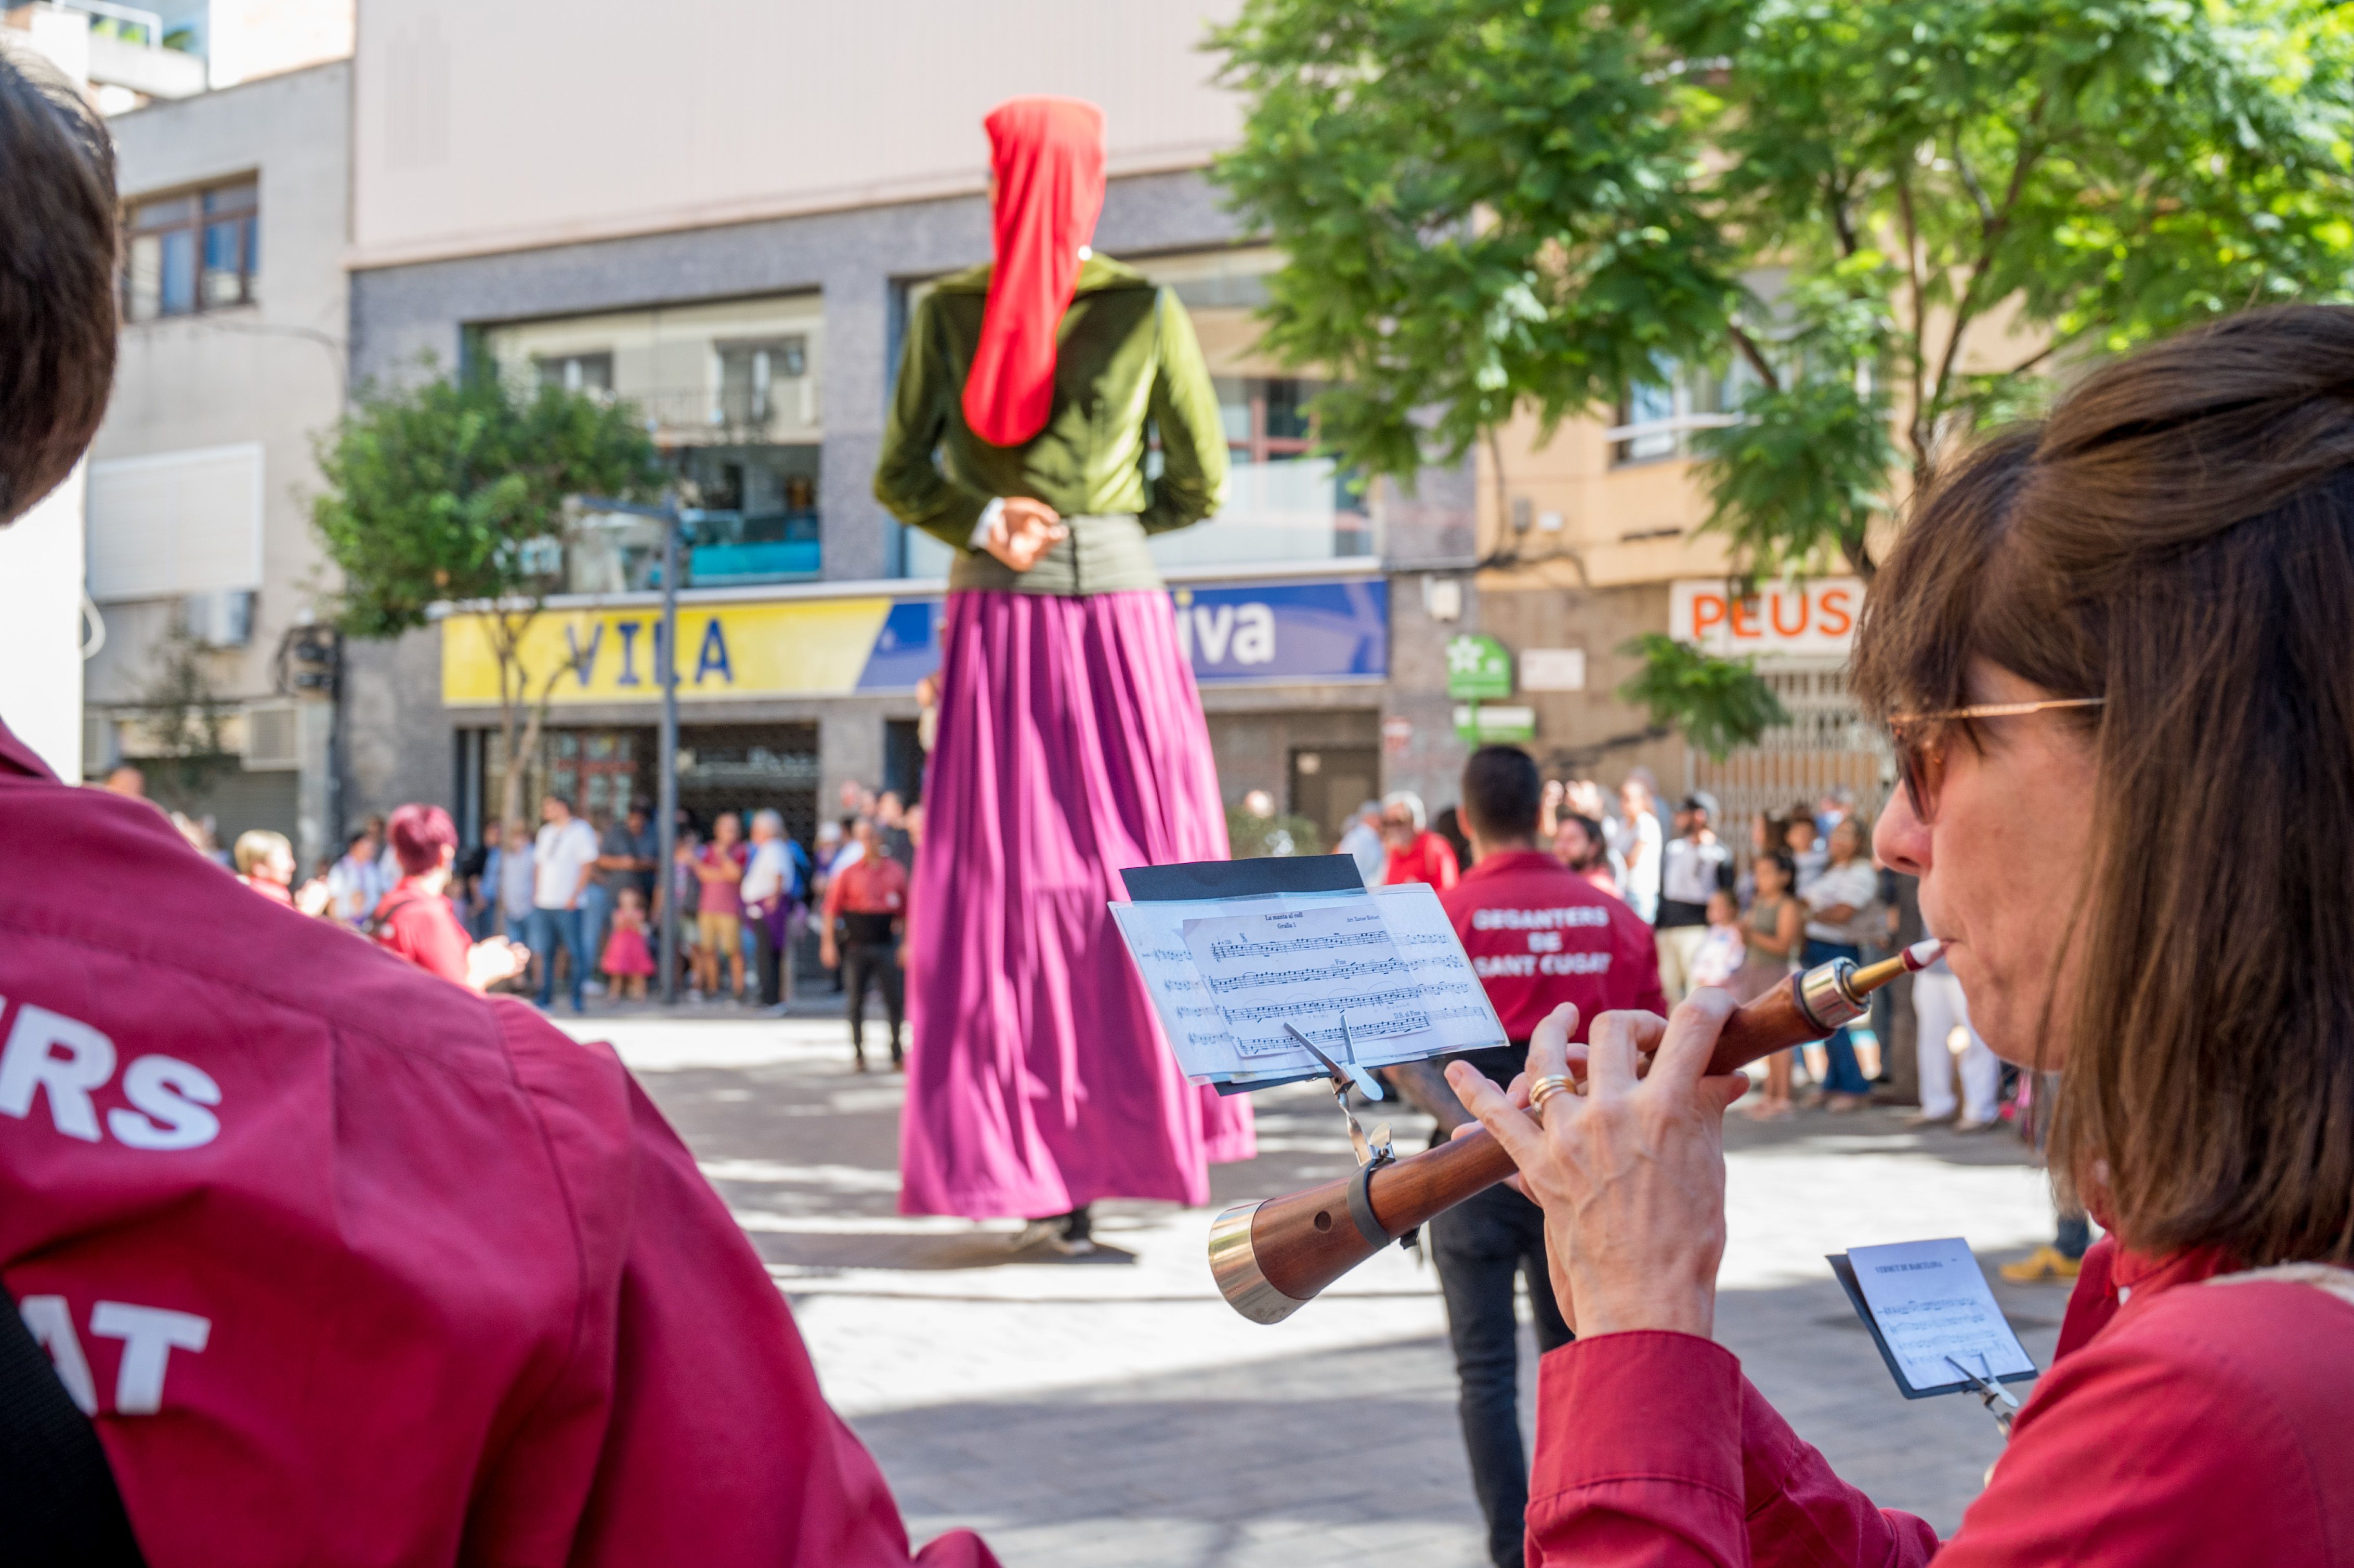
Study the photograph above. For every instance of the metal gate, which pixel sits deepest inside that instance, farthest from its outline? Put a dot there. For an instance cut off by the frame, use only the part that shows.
(1828, 743)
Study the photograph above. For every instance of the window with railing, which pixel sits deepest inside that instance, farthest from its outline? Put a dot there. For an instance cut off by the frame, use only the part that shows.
(750, 375)
(198, 250)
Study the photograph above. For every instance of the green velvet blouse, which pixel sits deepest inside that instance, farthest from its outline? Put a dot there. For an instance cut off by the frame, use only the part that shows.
(1126, 354)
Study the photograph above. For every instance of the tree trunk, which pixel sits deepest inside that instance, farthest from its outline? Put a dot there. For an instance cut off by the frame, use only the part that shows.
(1507, 542)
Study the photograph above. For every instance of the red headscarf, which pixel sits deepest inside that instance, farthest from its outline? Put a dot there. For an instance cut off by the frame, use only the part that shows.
(1048, 155)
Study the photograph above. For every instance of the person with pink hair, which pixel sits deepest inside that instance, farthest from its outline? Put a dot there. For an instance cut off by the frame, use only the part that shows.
(1071, 743)
(416, 921)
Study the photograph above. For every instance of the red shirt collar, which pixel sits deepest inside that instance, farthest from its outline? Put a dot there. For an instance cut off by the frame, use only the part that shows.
(1505, 861)
(15, 757)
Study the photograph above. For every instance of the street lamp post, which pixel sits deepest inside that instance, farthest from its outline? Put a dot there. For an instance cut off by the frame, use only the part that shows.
(666, 753)
(666, 747)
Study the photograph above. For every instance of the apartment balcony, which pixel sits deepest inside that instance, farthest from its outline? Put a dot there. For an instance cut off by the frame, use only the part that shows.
(120, 50)
(614, 553)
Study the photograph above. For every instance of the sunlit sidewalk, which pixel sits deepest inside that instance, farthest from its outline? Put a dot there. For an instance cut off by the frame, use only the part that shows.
(1070, 1409)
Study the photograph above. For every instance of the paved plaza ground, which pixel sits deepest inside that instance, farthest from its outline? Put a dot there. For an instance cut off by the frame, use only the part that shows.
(1118, 1412)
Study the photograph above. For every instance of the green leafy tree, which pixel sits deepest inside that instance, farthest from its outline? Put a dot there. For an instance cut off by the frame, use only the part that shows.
(453, 490)
(1886, 221)
(1719, 703)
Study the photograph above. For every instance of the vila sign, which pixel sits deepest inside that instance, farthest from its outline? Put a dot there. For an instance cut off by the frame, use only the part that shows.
(1811, 617)
(1328, 629)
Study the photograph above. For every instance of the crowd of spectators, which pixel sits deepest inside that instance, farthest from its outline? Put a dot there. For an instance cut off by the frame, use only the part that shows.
(1802, 891)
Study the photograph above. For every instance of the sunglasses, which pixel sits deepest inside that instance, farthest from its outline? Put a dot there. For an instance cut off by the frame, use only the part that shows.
(1918, 740)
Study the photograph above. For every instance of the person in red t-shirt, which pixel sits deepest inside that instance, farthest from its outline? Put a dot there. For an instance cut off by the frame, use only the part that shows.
(1417, 854)
(1539, 934)
(868, 899)
(415, 920)
(335, 1263)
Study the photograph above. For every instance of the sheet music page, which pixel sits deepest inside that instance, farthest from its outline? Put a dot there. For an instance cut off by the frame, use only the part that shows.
(1460, 1012)
(1930, 1300)
(1447, 997)
(1304, 968)
(1196, 1025)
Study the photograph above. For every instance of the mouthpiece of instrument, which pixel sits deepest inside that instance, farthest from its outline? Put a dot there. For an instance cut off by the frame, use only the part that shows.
(1912, 960)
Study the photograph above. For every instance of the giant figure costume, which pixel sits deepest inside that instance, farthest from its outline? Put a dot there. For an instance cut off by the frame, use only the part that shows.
(1071, 740)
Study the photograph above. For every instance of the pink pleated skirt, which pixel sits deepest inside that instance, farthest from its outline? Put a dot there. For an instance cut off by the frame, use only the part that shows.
(1071, 745)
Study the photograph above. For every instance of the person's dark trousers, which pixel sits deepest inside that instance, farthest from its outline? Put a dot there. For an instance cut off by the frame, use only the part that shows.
(765, 965)
(769, 922)
(865, 956)
(1847, 1073)
(551, 928)
(1481, 1245)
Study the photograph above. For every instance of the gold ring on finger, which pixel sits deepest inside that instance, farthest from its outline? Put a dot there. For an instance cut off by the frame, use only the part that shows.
(1545, 1089)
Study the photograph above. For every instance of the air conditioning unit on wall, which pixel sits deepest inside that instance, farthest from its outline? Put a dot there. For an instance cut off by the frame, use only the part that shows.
(272, 737)
(220, 619)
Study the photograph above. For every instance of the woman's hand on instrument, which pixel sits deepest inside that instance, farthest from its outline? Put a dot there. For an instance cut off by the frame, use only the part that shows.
(1630, 1174)
(1026, 529)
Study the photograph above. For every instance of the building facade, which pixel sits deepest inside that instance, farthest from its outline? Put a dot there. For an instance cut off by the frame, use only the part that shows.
(739, 266)
(202, 569)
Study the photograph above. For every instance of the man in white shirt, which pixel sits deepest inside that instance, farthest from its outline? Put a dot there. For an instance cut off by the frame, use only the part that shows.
(515, 887)
(1693, 866)
(562, 858)
(1362, 841)
(1938, 1005)
(355, 887)
(771, 890)
(1837, 902)
(1636, 838)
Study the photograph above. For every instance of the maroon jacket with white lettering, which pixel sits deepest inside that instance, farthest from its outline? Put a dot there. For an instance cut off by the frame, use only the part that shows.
(1540, 935)
(354, 1266)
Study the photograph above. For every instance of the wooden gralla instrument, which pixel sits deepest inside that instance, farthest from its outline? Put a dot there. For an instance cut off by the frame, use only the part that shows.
(1273, 1256)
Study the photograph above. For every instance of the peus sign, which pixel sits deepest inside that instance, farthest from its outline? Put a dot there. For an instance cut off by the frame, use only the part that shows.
(1815, 616)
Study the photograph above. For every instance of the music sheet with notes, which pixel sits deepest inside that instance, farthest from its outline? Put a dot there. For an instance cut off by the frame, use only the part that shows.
(1373, 978)
(1936, 1315)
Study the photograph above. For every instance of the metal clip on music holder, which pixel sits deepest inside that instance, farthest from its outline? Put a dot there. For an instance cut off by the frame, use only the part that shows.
(1371, 1153)
(1999, 1401)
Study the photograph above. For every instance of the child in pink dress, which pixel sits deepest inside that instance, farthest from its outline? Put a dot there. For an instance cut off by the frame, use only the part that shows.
(627, 962)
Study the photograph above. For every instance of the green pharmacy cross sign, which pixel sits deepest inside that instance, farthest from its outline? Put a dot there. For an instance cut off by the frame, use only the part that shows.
(1477, 666)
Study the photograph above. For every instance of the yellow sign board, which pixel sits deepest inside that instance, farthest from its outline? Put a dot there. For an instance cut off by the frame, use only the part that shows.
(806, 648)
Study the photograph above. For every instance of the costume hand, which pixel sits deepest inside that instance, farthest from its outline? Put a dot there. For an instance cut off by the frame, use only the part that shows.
(828, 955)
(1026, 529)
(1631, 1175)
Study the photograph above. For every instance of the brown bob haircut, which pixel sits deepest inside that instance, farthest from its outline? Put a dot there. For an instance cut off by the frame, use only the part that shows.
(58, 313)
(2179, 539)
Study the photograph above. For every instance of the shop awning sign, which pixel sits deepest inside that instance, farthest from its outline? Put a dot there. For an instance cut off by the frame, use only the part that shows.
(1232, 633)
(1814, 615)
